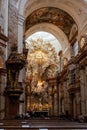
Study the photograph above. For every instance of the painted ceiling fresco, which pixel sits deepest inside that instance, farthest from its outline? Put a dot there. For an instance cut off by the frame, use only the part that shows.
(51, 15)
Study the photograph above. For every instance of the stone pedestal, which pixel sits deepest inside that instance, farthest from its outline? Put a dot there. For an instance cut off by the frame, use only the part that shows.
(11, 107)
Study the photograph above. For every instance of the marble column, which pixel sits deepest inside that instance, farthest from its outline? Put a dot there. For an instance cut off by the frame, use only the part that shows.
(86, 87)
(55, 101)
(20, 42)
(50, 101)
(59, 99)
(28, 97)
(2, 98)
(71, 105)
(20, 33)
(82, 85)
(77, 107)
(6, 22)
(66, 105)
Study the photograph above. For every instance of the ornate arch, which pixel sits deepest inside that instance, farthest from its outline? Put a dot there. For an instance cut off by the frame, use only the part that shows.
(63, 5)
(58, 33)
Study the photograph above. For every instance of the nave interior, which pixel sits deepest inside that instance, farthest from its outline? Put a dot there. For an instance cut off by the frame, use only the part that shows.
(43, 62)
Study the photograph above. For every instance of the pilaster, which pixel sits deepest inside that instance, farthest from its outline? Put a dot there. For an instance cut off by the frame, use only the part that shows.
(82, 84)
(20, 33)
(55, 101)
(86, 87)
(20, 41)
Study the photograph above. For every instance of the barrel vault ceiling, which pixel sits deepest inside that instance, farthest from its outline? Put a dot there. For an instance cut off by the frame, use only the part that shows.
(50, 15)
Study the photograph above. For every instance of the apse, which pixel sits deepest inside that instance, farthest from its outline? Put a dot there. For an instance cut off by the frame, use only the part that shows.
(43, 49)
(42, 64)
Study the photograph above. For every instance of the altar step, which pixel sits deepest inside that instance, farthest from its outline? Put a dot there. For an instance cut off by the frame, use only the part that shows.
(41, 124)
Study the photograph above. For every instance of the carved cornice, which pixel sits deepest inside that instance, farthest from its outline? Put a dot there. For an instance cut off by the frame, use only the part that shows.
(81, 56)
(80, 59)
(72, 41)
(71, 61)
(3, 71)
(14, 91)
(64, 71)
(3, 37)
(63, 75)
(73, 89)
(52, 80)
(83, 63)
(15, 61)
(55, 78)
(2, 44)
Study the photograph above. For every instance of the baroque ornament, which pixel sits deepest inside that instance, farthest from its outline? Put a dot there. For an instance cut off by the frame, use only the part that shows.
(42, 61)
(50, 15)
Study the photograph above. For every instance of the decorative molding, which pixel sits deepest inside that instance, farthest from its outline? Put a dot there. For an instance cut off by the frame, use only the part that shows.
(3, 44)
(3, 71)
(21, 19)
(3, 37)
(52, 15)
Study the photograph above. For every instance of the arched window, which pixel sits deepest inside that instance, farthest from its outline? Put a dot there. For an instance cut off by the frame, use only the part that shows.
(75, 48)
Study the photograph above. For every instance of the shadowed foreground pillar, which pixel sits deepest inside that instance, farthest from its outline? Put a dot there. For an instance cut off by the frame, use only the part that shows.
(14, 88)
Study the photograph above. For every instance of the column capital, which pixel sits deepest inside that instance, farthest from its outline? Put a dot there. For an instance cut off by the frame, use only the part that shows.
(21, 19)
